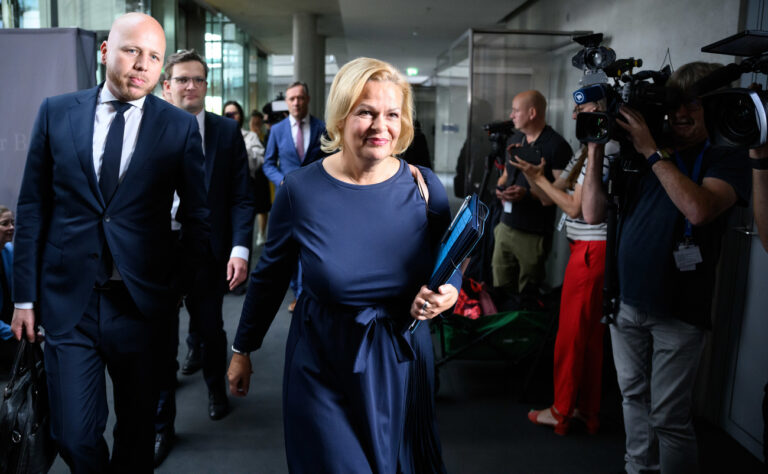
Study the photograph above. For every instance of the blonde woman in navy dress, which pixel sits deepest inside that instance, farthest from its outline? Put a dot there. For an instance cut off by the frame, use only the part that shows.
(358, 222)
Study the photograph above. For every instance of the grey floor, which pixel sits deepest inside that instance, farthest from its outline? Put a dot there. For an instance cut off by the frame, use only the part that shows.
(482, 421)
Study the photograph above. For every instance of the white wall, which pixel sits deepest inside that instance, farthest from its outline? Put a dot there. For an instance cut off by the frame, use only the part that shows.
(641, 28)
(633, 28)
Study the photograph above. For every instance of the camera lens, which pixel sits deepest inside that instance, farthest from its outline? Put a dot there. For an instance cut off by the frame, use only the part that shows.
(594, 127)
(593, 58)
(737, 119)
(601, 129)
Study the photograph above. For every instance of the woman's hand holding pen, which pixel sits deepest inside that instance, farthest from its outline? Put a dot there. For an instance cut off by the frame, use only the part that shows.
(429, 304)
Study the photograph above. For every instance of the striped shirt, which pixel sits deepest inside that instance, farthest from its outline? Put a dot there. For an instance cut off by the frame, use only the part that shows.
(578, 229)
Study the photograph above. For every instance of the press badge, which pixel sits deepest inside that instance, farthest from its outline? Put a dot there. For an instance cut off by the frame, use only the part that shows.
(507, 206)
(687, 256)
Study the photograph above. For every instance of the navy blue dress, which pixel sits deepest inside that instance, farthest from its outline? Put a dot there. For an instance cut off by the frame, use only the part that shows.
(366, 251)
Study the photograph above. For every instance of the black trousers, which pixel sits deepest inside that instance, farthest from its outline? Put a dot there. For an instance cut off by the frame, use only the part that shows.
(167, 367)
(207, 322)
(206, 328)
(111, 334)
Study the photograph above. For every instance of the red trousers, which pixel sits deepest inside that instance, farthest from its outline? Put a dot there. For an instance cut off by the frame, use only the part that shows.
(579, 343)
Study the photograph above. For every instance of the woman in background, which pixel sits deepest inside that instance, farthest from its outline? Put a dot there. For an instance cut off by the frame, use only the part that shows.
(7, 342)
(578, 360)
(255, 148)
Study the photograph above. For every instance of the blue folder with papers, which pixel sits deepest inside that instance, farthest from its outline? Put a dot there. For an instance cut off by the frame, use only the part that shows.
(459, 240)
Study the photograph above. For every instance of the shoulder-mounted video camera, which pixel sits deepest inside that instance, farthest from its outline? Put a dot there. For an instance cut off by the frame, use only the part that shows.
(613, 82)
(736, 117)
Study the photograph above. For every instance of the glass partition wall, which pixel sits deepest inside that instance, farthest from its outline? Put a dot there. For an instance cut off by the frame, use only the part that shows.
(228, 57)
(476, 80)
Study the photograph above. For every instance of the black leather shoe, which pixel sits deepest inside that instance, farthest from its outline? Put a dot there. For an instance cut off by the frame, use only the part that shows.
(218, 404)
(194, 360)
(163, 444)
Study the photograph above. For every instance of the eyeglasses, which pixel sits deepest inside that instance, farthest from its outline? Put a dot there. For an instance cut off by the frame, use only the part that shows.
(183, 80)
(231, 114)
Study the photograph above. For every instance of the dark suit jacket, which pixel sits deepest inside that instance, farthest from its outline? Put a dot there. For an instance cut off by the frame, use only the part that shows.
(230, 195)
(281, 158)
(62, 221)
(6, 282)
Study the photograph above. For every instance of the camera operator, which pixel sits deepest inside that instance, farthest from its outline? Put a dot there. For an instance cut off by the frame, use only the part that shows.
(524, 235)
(670, 229)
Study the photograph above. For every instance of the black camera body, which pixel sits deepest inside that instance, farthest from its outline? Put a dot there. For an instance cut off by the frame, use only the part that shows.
(736, 117)
(612, 80)
(498, 134)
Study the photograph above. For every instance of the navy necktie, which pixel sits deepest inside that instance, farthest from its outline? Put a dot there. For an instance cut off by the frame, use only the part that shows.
(113, 151)
(108, 179)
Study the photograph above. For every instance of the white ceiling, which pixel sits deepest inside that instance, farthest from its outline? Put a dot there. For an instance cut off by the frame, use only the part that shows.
(407, 33)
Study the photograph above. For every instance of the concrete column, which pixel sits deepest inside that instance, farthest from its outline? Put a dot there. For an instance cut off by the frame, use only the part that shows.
(167, 12)
(309, 59)
(8, 14)
(318, 80)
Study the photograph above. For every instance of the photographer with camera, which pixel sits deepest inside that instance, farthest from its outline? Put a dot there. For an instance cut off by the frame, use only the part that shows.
(671, 223)
(524, 235)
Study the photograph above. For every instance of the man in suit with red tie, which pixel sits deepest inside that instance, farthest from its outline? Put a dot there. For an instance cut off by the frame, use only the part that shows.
(293, 143)
(93, 259)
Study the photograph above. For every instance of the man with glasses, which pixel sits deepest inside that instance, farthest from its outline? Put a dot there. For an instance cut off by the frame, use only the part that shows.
(230, 200)
(672, 219)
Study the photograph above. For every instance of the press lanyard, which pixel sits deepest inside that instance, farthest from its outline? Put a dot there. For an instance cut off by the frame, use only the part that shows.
(695, 178)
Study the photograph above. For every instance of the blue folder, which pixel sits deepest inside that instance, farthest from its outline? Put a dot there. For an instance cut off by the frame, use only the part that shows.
(457, 243)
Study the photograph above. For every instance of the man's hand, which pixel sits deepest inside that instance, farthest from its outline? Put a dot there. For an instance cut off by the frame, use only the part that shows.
(237, 270)
(512, 146)
(759, 152)
(512, 193)
(532, 172)
(638, 131)
(23, 324)
(239, 374)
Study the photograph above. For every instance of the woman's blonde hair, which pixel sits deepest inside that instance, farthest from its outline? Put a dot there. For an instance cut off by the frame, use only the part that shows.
(345, 91)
